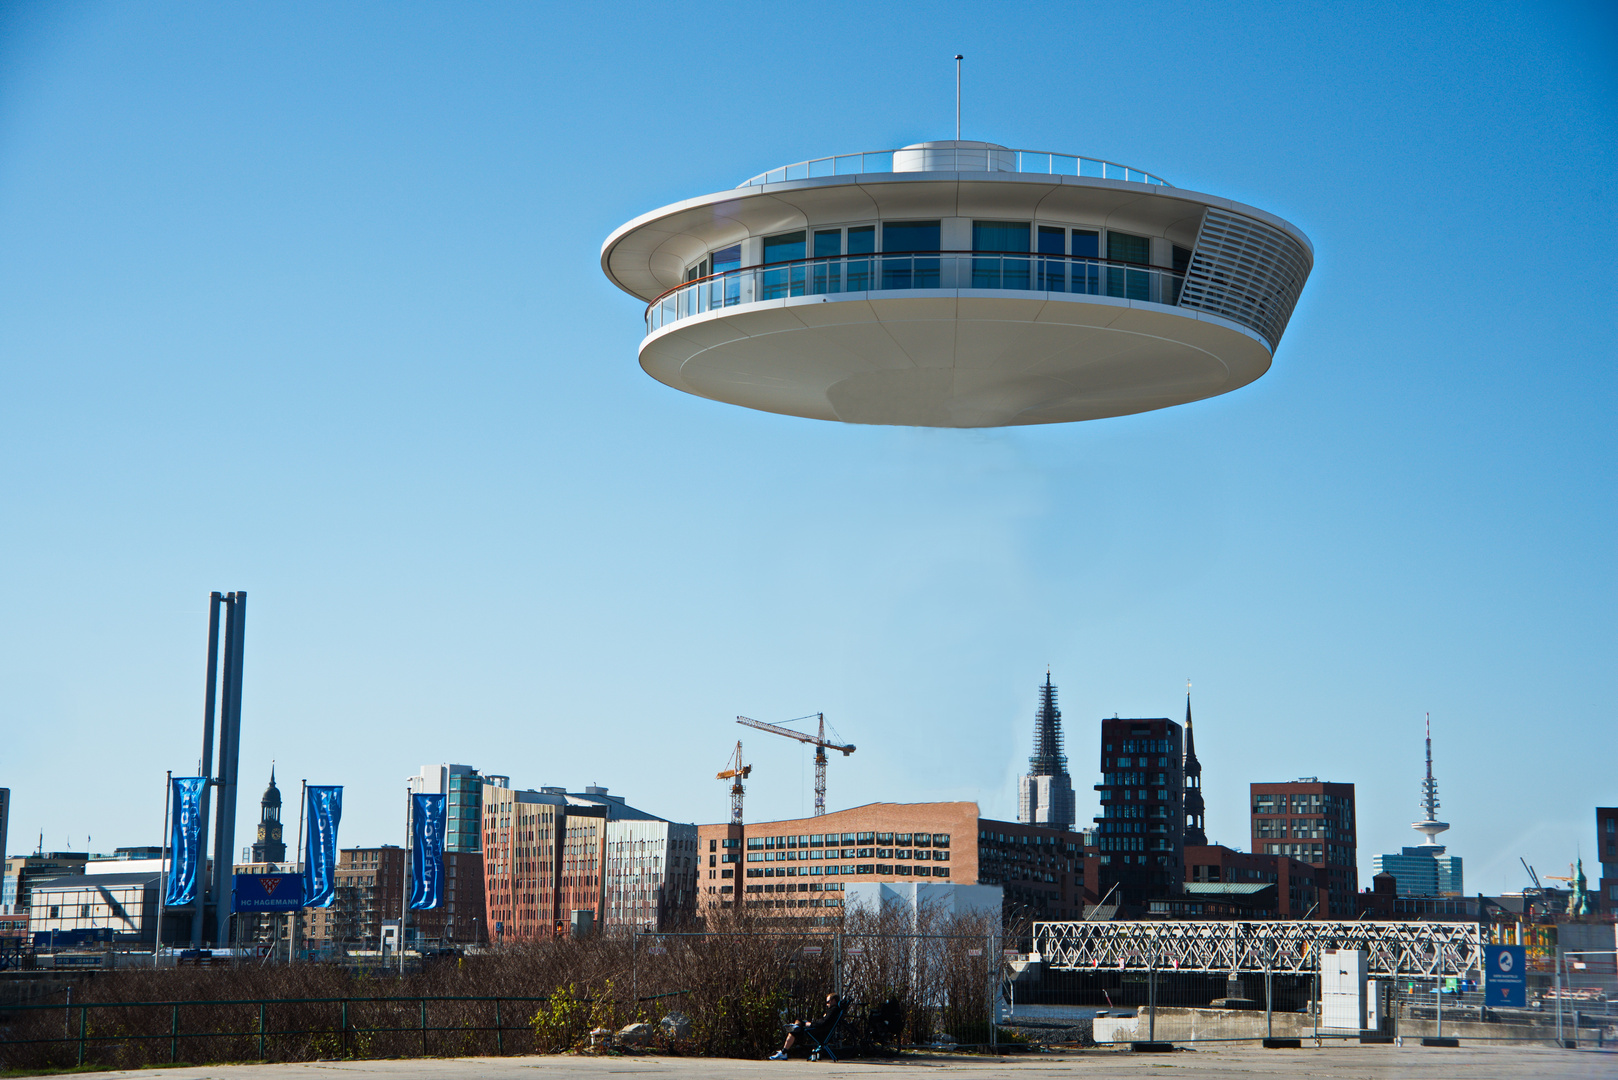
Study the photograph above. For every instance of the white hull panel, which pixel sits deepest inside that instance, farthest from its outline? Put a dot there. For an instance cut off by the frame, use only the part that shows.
(963, 358)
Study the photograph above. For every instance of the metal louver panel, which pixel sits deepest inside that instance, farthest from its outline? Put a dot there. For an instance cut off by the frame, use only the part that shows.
(1245, 271)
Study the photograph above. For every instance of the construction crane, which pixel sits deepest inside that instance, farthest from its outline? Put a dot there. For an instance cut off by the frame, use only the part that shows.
(1539, 890)
(1531, 875)
(818, 741)
(735, 772)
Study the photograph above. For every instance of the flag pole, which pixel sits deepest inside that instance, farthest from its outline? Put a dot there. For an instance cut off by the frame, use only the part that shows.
(404, 897)
(298, 858)
(162, 879)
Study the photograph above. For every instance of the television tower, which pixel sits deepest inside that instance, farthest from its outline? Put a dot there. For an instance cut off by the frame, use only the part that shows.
(1430, 826)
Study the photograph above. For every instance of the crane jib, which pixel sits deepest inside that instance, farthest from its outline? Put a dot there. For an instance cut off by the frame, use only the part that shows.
(818, 741)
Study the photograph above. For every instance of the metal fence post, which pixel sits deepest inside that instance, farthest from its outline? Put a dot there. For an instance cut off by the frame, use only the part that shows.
(261, 1006)
(84, 1019)
(995, 967)
(1438, 995)
(634, 969)
(174, 1034)
(499, 1032)
(423, 1027)
(344, 1037)
(1314, 995)
(1558, 988)
(837, 963)
(1151, 1001)
(1269, 1018)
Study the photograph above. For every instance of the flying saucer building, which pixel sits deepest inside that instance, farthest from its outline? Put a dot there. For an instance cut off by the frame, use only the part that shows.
(959, 284)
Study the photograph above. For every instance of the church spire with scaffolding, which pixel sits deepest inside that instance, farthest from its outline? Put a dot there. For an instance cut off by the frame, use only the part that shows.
(1045, 795)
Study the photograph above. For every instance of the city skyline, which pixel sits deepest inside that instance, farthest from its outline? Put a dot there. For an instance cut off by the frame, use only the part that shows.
(308, 303)
(1243, 842)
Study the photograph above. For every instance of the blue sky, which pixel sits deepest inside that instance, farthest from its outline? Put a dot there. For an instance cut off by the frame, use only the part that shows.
(305, 301)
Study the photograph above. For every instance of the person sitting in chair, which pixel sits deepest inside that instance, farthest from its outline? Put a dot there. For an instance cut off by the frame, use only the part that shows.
(820, 1027)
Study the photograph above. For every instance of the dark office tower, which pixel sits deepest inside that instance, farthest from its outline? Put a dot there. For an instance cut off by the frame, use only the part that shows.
(1141, 831)
(1045, 795)
(1195, 836)
(269, 846)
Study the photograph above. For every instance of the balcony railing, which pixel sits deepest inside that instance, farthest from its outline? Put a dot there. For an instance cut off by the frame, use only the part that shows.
(915, 270)
(1027, 161)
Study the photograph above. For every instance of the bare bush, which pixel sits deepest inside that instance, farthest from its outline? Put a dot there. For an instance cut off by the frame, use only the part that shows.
(734, 986)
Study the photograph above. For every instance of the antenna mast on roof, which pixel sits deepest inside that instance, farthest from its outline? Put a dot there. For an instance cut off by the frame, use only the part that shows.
(958, 59)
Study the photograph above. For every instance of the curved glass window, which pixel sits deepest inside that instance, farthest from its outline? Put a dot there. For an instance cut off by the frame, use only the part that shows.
(727, 259)
(726, 290)
(1052, 272)
(909, 271)
(1122, 247)
(1125, 281)
(828, 276)
(789, 281)
(784, 248)
(861, 241)
(1000, 236)
(910, 236)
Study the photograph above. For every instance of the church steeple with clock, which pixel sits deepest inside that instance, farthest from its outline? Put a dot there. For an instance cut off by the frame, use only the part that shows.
(269, 847)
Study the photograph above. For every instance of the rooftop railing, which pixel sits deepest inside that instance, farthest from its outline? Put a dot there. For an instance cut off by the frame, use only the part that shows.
(1026, 161)
(915, 270)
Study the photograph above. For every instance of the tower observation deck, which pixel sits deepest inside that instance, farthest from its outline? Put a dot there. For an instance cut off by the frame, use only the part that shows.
(959, 284)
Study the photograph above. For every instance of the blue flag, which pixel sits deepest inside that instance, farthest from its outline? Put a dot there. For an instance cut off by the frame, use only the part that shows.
(322, 812)
(426, 852)
(185, 835)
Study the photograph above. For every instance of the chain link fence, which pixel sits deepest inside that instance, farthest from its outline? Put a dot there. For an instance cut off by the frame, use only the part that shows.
(1584, 998)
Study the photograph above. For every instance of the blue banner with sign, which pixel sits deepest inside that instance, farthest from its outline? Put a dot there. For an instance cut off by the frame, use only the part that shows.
(185, 839)
(267, 892)
(426, 851)
(323, 812)
(1505, 976)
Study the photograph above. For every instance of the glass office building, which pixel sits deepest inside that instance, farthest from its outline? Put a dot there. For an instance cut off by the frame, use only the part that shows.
(464, 807)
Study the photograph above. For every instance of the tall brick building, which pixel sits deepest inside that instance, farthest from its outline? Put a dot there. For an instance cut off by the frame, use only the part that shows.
(1314, 822)
(1140, 833)
(801, 865)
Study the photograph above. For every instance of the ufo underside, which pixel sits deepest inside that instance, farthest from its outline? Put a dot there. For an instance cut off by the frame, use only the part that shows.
(962, 359)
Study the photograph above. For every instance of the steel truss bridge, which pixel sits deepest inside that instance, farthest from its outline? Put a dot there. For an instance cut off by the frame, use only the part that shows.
(1280, 946)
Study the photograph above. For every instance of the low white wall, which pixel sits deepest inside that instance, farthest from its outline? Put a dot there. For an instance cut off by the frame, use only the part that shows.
(1190, 1025)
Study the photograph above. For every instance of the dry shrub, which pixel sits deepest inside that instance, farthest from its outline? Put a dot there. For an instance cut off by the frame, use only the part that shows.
(736, 986)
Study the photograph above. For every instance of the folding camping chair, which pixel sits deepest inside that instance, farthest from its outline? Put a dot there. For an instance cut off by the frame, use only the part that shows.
(822, 1043)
